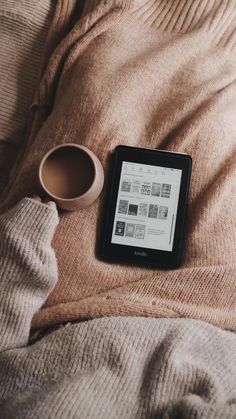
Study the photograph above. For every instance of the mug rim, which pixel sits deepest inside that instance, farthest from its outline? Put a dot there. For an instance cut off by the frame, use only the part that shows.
(81, 147)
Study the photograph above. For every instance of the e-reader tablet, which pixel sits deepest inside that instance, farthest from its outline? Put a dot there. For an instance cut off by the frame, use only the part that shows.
(146, 207)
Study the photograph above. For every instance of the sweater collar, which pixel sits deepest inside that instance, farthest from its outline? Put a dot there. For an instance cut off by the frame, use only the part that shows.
(174, 15)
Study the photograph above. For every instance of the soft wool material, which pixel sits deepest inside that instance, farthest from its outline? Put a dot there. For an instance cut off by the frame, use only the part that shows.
(105, 368)
(158, 74)
(24, 26)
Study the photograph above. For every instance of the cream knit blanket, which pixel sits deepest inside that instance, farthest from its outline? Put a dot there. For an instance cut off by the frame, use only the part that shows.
(148, 73)
(109, 368)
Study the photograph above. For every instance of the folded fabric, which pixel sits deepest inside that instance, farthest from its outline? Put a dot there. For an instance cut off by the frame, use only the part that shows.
(158, 74)
(119, 368)
(104, 368)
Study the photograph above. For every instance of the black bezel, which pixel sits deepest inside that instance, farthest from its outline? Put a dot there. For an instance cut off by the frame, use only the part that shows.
(123, 253)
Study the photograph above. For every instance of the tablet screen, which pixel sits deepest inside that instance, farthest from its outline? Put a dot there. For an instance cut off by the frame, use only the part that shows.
(146, 207)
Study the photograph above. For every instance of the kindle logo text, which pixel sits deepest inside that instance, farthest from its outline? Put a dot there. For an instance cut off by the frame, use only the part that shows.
(137, 253)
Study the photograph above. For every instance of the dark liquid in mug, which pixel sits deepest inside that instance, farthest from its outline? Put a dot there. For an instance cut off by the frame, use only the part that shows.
(68, 172)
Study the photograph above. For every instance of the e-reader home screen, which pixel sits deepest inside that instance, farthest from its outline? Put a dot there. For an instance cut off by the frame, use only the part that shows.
(146, 207)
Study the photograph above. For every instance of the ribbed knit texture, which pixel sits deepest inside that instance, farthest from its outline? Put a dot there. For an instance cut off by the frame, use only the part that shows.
(24, 26)
(27, 260)
(110, 368)
(122, 368)
(151, 73)
(105, 368)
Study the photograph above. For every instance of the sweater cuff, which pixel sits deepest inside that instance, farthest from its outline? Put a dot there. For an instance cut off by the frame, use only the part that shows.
(30, 217)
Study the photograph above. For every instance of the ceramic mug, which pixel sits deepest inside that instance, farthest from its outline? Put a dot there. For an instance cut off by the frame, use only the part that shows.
(72, 176)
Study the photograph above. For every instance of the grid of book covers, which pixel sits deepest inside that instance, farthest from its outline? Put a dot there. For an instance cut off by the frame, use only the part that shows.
(146, 206)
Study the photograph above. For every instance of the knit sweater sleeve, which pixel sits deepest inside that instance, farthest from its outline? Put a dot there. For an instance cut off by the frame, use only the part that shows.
(28, 268)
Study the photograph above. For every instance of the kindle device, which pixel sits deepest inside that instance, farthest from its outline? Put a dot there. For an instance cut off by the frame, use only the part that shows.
(146, 207)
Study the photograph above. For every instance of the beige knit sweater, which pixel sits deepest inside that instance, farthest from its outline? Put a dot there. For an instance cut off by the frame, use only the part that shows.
(110, 368)
(24, 26)
(148, 73)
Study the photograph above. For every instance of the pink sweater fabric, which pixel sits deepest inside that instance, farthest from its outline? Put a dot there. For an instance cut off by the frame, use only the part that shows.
(24, 26)
(155, 74)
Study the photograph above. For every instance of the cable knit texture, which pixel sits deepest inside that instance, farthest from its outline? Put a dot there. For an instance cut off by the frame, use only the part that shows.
(110, 368)
(148, 73)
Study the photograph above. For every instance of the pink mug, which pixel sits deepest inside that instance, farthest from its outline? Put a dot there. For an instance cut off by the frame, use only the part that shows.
(72, 176)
